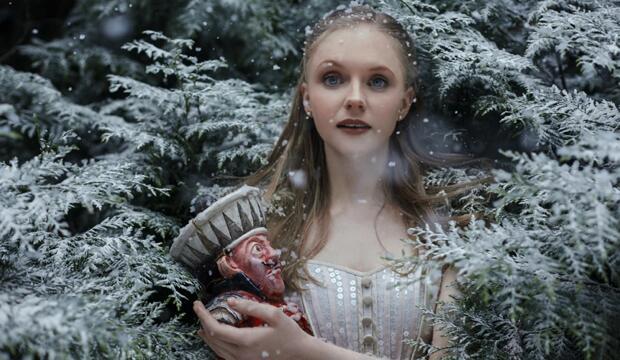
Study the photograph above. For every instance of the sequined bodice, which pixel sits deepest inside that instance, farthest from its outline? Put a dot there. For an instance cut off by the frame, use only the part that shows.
(368, 312)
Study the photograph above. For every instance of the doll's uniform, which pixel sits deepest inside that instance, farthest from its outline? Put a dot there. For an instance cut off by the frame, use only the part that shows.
(372, 312)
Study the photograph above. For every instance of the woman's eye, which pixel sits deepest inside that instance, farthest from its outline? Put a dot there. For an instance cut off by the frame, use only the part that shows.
(331, 79)
(378, 82)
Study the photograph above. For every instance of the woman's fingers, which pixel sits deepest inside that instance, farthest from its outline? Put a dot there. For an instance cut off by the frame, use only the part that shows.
(206, 320)
(268, 313)
(201, 333)
(235, 343)
(221, 348)
(213, 328)
(292, 307)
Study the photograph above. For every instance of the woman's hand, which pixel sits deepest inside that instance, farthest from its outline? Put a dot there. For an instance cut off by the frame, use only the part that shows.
(282, 338)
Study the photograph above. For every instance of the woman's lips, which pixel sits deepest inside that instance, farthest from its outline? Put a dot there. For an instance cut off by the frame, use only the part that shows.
(353, 126)
(354, 131)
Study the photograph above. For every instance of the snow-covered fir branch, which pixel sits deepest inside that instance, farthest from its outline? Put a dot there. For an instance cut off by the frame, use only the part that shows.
(583, 33)
(557, 251)
(182, 123)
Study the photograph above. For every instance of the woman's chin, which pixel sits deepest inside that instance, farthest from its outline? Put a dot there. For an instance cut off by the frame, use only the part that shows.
(363, 146)
(358, 152)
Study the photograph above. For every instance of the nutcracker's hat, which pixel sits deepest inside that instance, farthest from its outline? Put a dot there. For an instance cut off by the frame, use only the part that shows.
(220, 227)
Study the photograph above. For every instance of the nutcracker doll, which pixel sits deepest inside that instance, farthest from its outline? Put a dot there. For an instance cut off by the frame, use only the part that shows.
(227, 248)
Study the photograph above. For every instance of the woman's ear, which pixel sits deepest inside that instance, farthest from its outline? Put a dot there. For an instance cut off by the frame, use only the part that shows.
(305, 97)
(407, 101)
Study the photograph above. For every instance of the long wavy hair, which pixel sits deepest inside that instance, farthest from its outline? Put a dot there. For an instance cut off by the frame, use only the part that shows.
(300, 152)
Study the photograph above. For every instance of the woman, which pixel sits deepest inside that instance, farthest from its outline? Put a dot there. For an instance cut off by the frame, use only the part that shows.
(346, 184)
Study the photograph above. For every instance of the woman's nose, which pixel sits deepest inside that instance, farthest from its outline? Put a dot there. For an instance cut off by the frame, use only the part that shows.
(355, 98)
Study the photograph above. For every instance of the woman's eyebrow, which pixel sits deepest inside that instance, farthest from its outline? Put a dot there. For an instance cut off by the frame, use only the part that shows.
(329, 63)
(337, 64)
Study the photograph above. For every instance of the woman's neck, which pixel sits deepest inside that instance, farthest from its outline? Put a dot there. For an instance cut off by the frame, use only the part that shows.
(356, 181)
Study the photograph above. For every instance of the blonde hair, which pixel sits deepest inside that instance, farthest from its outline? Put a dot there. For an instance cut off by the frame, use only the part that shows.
(301, 149)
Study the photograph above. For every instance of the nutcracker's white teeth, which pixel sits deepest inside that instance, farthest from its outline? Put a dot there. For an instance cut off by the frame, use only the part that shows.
(274, 268)
(274, 272)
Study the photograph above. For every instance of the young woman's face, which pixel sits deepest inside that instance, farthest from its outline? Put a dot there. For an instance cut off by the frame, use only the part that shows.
(356, 74)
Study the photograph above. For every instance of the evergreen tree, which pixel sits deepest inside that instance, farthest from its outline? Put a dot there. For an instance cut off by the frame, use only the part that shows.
(120, 127)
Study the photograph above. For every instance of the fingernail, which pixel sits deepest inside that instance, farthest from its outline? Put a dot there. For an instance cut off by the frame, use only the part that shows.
(231, 301)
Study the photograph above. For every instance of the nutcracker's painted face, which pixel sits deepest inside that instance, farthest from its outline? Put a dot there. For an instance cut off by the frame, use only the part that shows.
(260, 262)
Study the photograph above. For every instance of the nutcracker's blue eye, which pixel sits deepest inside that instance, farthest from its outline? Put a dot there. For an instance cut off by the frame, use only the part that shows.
(331, 79)
(378, 82)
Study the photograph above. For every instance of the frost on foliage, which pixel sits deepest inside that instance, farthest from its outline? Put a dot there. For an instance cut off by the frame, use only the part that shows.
(466, 56)
(469, 201)
(183, 122)
(506, 82)
(588, 35)
(546, 266)
(268, 24)
(543, 281)
(207, 195)
(104, 282)
(583, 32)
(579, 200)
(69, 294)
(501, 21)
(75, 325)
(38, 106)
(37, 195)
(557, 117)
(56, 58)
(462, 53)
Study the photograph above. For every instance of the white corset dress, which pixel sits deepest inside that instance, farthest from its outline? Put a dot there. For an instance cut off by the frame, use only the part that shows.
(368, 312)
